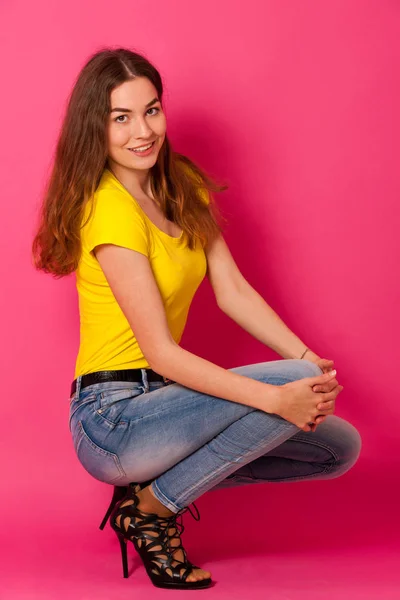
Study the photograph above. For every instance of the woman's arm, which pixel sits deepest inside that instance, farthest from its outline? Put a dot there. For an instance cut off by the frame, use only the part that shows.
(240, 301)
(132, 282)
(249, 310)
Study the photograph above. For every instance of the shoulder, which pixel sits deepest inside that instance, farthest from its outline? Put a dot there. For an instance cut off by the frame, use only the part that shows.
(112, 203)
(111, 193)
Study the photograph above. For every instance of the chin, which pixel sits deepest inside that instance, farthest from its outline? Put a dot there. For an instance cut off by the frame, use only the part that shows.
(144, 164)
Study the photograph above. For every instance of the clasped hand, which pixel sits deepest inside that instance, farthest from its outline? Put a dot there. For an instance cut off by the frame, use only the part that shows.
(325, 365)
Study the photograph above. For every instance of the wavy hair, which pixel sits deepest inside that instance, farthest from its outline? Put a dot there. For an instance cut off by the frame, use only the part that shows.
(81, 155)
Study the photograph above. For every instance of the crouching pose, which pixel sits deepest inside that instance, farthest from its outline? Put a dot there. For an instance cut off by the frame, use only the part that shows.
(139, 226)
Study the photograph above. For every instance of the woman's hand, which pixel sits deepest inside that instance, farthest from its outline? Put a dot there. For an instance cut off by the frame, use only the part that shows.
(299, 404)
(325, 365)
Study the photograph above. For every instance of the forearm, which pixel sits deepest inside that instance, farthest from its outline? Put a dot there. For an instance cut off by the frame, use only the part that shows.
(204, 376)
(249, 310)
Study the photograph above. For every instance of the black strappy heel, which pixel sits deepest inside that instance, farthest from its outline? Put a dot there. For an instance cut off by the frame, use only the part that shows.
(119, 493)
(151, 537)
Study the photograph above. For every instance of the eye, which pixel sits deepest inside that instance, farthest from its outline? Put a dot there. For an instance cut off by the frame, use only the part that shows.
(124, 116)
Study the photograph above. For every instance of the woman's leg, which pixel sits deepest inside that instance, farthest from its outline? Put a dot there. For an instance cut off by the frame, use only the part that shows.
(185, 440)
(328, 452)
(212, 437)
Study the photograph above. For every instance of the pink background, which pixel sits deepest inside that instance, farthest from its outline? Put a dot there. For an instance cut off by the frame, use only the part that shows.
(295, 105)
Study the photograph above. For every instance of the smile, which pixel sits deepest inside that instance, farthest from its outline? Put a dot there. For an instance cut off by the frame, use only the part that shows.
(142, 149)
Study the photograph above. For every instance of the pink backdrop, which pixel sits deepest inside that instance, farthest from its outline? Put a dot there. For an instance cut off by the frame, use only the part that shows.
(295, 105)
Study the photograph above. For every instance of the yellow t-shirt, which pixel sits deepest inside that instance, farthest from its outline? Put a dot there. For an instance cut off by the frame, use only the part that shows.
(107, 341)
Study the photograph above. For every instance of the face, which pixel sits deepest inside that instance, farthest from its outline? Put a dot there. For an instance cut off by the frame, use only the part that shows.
(138, 122)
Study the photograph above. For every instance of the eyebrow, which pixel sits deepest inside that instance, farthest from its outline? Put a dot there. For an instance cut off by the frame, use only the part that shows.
(128, 110)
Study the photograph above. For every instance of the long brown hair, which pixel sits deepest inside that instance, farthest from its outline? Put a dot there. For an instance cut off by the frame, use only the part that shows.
(81, 156)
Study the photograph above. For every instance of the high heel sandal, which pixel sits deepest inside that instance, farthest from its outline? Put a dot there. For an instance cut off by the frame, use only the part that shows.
(119, 493)
(151, 537)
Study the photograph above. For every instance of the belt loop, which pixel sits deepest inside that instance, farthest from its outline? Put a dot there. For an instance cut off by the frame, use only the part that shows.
(78, 387)
(145, 380)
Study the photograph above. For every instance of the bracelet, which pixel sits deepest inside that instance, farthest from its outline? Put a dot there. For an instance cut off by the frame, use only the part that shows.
(304, 353)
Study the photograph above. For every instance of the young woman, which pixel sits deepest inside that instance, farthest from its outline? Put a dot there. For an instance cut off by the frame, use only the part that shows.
(138, 224)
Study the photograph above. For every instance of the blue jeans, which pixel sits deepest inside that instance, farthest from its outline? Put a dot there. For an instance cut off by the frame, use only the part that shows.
(187, 442)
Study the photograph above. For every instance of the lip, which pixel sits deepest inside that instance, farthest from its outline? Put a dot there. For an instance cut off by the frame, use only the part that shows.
(136, 147)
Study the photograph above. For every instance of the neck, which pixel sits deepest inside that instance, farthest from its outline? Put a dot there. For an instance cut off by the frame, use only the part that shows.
(135, 181)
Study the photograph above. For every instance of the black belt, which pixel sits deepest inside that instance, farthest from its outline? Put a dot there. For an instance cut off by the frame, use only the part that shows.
(118, 375)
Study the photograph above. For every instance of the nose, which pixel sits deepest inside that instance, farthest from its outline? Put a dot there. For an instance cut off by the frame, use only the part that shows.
(141, 128)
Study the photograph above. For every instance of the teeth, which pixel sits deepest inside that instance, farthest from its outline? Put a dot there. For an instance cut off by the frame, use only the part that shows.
(142, 149)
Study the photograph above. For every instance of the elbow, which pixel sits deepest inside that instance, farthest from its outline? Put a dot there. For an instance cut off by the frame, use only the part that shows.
(155, 365)
(160, 359)
(225, 301)
(233, 296)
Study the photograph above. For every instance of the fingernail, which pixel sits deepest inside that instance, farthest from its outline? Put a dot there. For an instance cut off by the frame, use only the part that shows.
(332, 372)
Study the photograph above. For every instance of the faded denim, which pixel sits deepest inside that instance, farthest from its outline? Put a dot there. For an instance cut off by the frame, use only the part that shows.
(187, 442)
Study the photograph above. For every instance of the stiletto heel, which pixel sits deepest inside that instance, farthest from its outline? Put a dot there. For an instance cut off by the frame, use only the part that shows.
(119, 493)
(124, 554)
(151, 536)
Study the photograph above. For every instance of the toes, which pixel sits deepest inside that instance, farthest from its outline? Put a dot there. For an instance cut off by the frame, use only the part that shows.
(198, 575)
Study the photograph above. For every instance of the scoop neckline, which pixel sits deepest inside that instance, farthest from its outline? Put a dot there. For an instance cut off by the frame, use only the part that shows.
(170, 237)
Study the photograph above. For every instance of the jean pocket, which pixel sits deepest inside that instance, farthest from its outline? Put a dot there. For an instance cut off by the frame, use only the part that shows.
(98, 462)
(86, 397)
(113, 402)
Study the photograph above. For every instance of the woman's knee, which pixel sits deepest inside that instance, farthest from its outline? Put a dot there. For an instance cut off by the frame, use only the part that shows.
(295, 369)
(345, 443)
(353, 445)
(279, 372)
(309, 367)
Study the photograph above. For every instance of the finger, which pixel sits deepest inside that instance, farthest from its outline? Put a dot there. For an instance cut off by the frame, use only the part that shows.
(326, 387)
(325, 365)
(321, 379)
(326, 406)
(337, 389)
(320, 419)
(323, 389)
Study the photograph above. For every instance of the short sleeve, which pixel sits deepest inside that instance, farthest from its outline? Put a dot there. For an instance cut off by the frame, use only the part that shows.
(116, 220)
